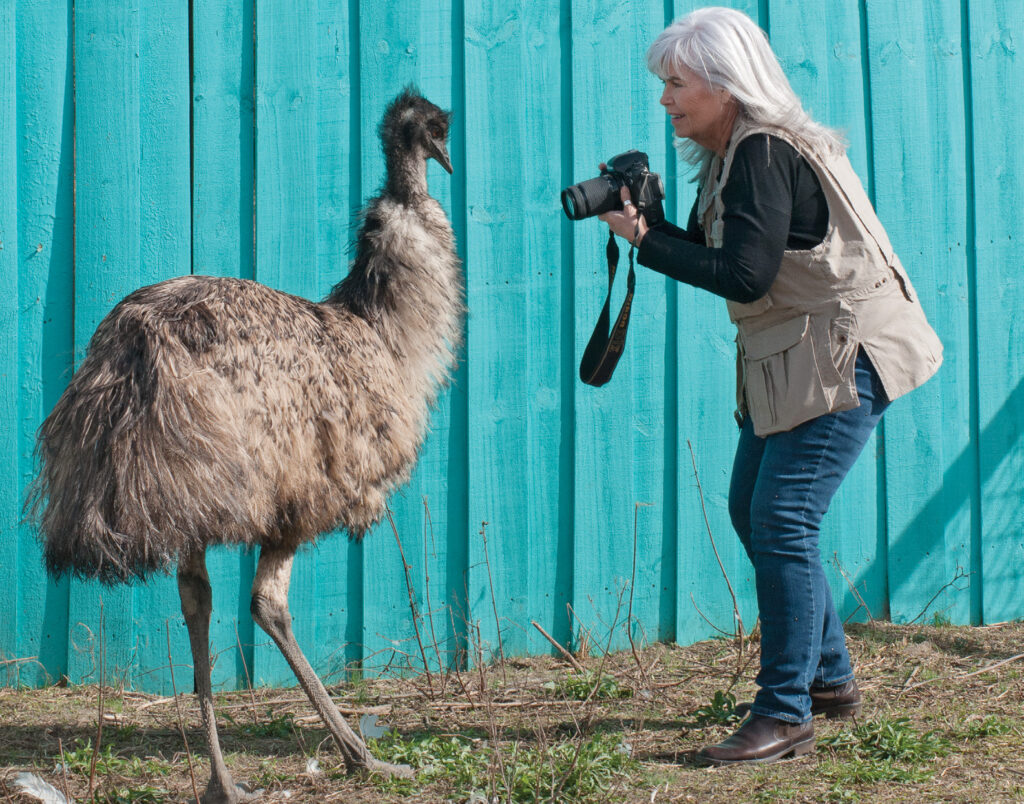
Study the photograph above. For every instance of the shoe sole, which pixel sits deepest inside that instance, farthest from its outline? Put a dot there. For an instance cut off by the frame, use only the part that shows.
(840, 711)
(796, 750)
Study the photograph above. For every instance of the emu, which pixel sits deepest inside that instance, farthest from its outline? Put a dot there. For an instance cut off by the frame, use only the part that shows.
(219, 411)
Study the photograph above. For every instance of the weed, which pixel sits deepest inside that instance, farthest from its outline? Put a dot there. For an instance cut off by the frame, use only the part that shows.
(567, 771)
(79, 759)
(884, 750)
(990, 726)
(941, 620)
(132, 795)
(269, 774)
(721, 711)
(887, 740)
(581, 686)
(281, 727)
(772, 795)
(857, 771)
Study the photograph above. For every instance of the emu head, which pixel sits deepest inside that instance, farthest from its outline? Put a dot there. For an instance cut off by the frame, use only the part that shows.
(412, 125)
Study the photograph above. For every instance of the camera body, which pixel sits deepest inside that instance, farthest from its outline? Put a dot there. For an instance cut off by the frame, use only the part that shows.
(602, 194)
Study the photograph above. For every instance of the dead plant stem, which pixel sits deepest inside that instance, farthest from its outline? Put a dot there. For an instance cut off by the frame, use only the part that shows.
(412, 603)
(568, 656)
(63, 770)
(181, 721)
(245, 669)
(714, 547)
(494, 602)
(99, 719)
(853, 588)
(632, 589)
(429, 525)
(956, 577)
(458, 671)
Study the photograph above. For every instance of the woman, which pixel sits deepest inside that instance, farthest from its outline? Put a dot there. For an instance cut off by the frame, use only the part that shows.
(829, 331)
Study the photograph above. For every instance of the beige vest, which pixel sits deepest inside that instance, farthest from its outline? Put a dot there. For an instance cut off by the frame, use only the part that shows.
(796, 346)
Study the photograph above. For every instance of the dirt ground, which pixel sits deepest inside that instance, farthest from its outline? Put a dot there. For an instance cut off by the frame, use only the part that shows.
(943, 721)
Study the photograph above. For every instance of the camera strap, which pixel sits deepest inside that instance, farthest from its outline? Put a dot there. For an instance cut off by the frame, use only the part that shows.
(605, 347)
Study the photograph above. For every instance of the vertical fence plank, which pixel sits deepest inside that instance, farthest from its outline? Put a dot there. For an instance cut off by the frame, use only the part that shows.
(107, 248)
(286, 234)
(10, 486)
(513, 243)
(820, 50)
(706, 382)
(337, 602)
(620, 453)
(916, 90)
(45, 286)
(398, 46)
(996, 31)
(165, 250)
(222, 245)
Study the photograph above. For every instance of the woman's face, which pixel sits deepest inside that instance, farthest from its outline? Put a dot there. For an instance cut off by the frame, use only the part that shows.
(698, 112)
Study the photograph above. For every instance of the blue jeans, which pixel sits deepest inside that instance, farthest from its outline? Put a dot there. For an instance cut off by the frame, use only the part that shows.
(781, 488)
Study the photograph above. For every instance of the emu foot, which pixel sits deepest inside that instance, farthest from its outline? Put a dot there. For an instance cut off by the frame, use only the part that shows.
(388, 769)
(232, 794)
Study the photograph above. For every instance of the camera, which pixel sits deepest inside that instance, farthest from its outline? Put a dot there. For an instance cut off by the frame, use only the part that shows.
(602, 194)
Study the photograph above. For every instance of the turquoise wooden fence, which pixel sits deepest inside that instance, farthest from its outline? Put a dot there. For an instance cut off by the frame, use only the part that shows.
(142, 139)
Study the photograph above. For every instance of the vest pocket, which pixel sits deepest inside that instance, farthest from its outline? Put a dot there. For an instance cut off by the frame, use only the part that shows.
(797, 370)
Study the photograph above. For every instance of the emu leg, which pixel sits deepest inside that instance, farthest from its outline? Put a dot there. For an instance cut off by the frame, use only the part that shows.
(270, 611)
(196, 605)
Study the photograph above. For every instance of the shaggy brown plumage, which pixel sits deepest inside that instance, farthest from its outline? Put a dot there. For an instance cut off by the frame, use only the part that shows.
(214, 410)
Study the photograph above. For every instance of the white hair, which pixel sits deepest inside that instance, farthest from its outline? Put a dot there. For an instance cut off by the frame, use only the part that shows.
(731, 52)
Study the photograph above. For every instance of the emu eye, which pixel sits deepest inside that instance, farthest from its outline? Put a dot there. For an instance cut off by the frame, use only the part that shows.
(436, 132)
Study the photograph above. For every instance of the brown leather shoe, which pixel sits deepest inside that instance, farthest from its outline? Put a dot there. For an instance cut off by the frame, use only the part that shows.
(760, 740)
(841, 702)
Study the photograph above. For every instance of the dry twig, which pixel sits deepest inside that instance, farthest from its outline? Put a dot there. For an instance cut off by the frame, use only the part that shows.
(632, 587)
(181, 722)
(412, 602)
(99, 718)
(568, 656)
(494, 602)
(714, 547)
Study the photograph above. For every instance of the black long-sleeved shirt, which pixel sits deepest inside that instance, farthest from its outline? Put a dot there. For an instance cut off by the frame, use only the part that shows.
(773, 202)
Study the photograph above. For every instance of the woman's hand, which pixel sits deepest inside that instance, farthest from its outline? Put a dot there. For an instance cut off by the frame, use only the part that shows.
(627, 222)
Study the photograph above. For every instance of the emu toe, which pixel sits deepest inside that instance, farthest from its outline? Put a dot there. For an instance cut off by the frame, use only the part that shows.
(388, 769)
(233, 794)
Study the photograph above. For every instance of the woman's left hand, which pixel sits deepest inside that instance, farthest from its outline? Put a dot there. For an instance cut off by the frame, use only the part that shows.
(627, 222)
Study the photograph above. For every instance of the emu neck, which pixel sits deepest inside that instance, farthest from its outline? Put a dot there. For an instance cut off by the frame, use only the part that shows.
(406, 178)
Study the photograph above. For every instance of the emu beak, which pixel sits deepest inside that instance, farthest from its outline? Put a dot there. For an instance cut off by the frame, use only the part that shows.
(439, 152)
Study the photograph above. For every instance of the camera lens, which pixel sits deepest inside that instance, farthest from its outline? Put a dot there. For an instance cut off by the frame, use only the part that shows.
(591, 197)
(571, 203)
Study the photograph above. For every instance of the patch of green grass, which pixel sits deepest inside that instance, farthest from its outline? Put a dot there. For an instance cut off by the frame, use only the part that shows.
(887, 740)
(145, 794)
(941, 620)
(579, 770)
(579, 686)
(879, 751)
(79, 760)
(281, 727)
(773, 795)
(269, 774)
(721, 711)
(989, 726)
